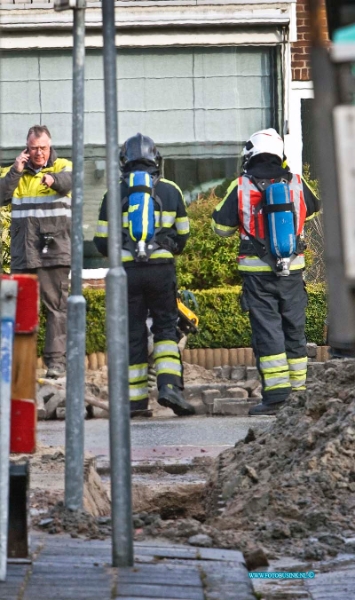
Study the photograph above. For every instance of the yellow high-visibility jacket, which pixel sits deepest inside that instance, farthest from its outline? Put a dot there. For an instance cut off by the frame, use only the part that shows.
(40, 216)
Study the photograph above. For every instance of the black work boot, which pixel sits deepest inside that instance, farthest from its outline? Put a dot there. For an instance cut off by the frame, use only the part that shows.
(139, 408)
(141, 413)
(171, 396)
(265, 409)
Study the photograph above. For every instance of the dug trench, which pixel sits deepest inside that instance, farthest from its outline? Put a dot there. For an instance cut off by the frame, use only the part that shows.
(286, 490)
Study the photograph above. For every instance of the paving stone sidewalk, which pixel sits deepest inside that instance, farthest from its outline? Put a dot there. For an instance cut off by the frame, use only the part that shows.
(64, 568)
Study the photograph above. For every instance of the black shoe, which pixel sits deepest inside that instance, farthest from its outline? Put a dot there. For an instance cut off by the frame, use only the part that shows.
(141, 413)
(139, 408)
(265, 409)
(56, 371)
(171, 396)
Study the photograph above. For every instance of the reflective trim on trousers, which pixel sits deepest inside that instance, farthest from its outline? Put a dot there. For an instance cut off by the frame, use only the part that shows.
(298, 378)
(298, 371)
(102, 229)
(274, 369)
(283, 386)
(297, 364)
(138, 372)
(275, 361)
(171, 367)
(166, 348)
(138, 391)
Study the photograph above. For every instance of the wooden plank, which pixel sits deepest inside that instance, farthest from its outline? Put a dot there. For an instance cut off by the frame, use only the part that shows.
(181, 578)
(160, 591)
(24, 366)
(10, 589)
(191, 553)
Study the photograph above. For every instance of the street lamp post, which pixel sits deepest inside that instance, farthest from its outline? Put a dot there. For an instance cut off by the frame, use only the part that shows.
(74, 422)
(116, 318)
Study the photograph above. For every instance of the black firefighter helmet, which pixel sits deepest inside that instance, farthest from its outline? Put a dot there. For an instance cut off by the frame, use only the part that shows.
(139, 148)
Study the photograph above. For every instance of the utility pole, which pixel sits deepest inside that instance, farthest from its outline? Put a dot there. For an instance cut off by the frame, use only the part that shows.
(334, 114)
(116, 317)
(76, 322)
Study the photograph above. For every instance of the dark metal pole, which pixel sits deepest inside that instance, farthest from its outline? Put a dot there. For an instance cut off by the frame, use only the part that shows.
(116, 318)
(74, 422)
(341, 309)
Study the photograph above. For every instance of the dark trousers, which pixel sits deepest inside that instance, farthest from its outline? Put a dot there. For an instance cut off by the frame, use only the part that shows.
(54, 285)
(277, 315)
(152, 289)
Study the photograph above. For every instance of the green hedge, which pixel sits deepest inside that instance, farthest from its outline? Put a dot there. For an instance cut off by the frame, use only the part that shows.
(222, 323)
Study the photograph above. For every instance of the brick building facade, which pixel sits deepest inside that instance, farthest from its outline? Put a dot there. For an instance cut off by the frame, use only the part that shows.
(300, 50)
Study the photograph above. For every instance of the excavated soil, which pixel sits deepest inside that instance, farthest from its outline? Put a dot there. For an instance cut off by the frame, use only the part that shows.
(192, 374)
(290, 489)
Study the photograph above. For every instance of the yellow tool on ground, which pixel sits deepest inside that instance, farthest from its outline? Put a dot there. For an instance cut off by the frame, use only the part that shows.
(188, 320)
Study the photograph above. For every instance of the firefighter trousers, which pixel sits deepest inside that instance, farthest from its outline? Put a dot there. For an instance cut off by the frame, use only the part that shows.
(277, 316)
(152, 290)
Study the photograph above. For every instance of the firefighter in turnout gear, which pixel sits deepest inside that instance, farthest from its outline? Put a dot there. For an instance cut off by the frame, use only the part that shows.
(273, 287)
(155, 228)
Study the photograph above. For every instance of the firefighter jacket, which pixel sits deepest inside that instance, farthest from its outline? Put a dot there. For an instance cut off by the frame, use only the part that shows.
(40, 216)
(171, 221)
(239, 211)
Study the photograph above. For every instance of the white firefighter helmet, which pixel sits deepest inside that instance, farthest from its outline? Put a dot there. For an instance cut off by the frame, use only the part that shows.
(266, 141)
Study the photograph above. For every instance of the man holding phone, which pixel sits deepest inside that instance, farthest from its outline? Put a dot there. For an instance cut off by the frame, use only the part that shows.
(38, 186)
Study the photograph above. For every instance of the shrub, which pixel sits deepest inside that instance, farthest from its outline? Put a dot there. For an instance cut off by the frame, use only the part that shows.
(222, 323)
(208, 260)
(5, 220)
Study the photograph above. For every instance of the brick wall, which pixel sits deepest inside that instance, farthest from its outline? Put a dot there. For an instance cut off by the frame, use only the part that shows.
(300, 50)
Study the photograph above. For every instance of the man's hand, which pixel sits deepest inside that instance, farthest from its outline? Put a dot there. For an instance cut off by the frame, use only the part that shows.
(21, 161)
(47, 180)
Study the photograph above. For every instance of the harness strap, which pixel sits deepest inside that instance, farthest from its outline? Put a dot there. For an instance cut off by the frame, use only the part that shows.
(140, 188)
(273, 208)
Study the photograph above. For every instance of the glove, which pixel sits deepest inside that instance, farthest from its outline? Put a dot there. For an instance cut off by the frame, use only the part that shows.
(152, 378)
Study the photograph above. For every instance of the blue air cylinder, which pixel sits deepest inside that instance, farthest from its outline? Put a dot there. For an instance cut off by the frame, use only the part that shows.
(141, 220)
(281, 222)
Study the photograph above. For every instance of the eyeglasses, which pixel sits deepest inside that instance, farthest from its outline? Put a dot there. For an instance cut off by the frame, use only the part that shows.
(38, 148)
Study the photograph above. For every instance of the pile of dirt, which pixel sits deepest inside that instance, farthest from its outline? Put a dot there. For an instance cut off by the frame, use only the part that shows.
(197, 374)
(292, 488)
(289, 490)
(60, 519)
